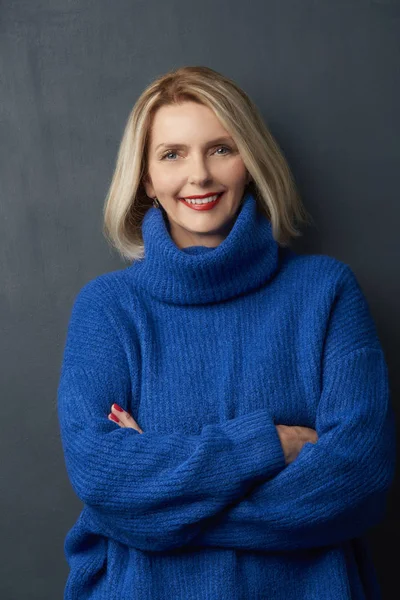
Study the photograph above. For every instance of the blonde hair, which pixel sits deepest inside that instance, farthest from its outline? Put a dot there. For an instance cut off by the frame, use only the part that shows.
(272, 182)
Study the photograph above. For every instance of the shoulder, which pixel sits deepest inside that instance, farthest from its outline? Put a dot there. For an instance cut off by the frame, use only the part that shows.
(93, 332)
(321, 283)
(102, 293)
(327, 291)
(332, 289)
(320, 271)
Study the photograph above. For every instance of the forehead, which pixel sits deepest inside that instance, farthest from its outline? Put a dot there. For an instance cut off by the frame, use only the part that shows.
(183, 120)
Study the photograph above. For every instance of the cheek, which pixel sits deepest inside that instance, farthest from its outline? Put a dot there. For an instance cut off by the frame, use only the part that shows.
(236, 171)
(164, 179)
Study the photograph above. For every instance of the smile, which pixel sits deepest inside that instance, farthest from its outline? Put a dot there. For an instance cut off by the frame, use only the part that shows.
(203, 203)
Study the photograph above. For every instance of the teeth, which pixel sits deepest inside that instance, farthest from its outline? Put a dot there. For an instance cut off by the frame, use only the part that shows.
(202, 200)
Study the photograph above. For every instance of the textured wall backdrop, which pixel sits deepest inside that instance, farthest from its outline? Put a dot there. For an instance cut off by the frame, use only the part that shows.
(325, 75)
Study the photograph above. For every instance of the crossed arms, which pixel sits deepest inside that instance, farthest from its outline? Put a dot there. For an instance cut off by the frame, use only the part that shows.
(229, 486)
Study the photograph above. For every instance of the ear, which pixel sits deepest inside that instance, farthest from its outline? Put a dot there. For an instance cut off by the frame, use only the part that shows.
(148, 186)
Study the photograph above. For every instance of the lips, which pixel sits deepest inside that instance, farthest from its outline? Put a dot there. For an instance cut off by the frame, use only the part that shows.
(203, 206)
(201, 197)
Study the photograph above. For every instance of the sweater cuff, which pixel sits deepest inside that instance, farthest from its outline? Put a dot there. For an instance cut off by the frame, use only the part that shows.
(257, 434)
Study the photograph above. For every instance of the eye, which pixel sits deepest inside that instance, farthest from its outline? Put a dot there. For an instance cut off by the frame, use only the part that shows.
(223, 148)
(166, 154)
(169, 152)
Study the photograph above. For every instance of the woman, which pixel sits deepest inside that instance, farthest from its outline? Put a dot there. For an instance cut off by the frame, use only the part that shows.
(224, 402)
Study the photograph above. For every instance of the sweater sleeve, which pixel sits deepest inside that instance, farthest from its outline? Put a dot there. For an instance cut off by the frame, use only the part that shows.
(336, 488)
(149, 490)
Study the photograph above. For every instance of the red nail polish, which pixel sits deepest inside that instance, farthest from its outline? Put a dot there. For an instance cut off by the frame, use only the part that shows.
(118, 408)
(114, 418)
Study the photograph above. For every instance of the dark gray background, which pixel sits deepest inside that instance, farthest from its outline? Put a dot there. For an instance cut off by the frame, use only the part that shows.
(325, 75)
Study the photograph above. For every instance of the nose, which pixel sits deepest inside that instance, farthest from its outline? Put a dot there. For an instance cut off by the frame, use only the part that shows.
(199, 172)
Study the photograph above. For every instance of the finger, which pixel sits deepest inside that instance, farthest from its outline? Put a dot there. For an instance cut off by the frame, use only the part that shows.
(125, 417)
(114, 421)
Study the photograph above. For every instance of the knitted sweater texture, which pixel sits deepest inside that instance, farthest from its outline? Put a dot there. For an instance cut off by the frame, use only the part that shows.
(209, 349)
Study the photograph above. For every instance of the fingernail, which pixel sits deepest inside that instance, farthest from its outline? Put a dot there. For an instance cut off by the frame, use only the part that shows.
(114, 418)
(117, 407)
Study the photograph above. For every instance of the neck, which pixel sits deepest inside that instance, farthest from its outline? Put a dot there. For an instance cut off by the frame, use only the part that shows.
(245, 259)
(184, 238)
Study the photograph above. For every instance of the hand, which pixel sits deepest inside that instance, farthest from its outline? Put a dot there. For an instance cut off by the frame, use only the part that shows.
(124, 418)
(293, 439)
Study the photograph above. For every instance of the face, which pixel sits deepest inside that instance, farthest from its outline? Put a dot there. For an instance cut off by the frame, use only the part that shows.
(191, 154)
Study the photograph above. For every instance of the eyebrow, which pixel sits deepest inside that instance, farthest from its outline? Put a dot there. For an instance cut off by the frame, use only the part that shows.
(219, 140)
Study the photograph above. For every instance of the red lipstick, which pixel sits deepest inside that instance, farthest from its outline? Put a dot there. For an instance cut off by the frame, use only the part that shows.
(203, 206)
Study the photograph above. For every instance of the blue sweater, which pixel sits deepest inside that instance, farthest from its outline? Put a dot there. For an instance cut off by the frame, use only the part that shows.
(209, 349)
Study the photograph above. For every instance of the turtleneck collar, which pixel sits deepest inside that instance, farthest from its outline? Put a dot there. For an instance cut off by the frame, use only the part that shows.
(243, 261)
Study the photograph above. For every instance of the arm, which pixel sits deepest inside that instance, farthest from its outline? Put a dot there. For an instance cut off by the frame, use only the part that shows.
(336, 488)
(148, 490)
